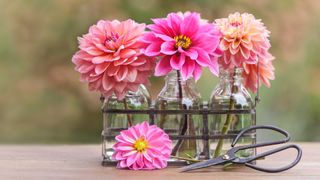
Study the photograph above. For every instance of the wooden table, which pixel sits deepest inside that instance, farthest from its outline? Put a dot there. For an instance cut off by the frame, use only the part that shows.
(84, 162)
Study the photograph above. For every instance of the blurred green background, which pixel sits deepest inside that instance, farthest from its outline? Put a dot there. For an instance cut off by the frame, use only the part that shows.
(42, 100)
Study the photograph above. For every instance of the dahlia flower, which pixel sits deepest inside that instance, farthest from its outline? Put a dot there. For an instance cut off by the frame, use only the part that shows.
(110, 58)
(185, 42)
(266, 71)
(142, 146)
(244, 40)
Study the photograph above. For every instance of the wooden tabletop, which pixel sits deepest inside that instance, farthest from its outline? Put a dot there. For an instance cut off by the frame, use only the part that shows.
(84, 162)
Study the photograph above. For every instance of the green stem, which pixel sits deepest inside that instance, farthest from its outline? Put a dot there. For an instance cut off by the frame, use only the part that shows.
(224, 130)
(186, 159)
(226, 126)
(129, 117)
(184, 121)
(162, 116)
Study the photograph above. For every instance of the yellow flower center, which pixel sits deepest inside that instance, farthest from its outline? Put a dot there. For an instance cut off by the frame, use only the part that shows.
(141, 145)
(182, 41)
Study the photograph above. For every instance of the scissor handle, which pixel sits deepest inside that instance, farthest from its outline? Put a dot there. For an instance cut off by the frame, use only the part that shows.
(268, 153)
(285, 133)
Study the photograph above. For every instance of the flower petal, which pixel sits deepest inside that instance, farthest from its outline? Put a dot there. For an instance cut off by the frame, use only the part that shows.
(127, 136)
(174, 22)
(177, 62)
(100, 68)
(163, 67)
(203, 58)
(190, 24)
(125, 148)
(197, 72)
(132, 74)
(168, 48)
(214, 66)
(121, 74)
(128, 153)
(107, 82)
(132, 159)
(187, 69)
(192, 53)
(112, 70)
(164, 37)
(127, 53)
(101, 59)
(245, 52)
(224, 45)
(153, 49)
(149, 37)
(84, 67)
(147, 156)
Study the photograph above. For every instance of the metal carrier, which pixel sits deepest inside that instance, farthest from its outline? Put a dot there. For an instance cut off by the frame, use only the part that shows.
(204, 112)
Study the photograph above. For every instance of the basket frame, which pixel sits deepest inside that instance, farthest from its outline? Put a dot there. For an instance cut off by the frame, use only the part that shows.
(204, 110)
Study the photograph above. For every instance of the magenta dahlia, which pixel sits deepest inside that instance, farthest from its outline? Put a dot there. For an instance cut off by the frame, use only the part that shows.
(184, 42)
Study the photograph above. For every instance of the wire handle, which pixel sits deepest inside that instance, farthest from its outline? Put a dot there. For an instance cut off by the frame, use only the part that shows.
(269, 127)
(249, 159)
(268, 153)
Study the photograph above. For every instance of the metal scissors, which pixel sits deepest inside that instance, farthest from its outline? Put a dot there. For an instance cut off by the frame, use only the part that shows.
(230, 155)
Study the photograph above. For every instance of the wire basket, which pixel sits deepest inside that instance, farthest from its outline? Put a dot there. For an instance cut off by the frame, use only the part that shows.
(204, 112)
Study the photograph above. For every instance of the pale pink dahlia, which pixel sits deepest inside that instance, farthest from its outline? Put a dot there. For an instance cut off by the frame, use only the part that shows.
(266, 71)
(184, 42)
(244, 40)
(142, 146)
(110, 60)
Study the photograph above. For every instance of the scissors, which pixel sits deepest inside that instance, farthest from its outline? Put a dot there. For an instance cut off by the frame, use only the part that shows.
(230, 155)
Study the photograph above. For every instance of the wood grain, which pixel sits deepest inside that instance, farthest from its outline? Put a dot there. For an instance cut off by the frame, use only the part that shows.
(84, 162)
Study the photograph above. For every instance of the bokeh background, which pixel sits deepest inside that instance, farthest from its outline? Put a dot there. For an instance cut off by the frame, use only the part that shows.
(42, 100)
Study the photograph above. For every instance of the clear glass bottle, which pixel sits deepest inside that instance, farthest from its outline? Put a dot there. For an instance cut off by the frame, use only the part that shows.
(113, 123)
(178, 95)
(230, 94)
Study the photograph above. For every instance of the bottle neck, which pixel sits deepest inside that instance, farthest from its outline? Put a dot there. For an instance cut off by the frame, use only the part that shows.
(230, 87)
(177, 89)
(141, 91)
(174, 81)
(174, 77)
(231, 76)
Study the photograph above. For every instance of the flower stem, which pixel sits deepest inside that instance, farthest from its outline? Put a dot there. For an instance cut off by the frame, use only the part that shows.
(162, 116)
(185, 116)
(226, 126)
(186, 159)
(129, 117)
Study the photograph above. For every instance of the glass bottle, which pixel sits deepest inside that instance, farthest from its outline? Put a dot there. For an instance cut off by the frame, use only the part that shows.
(230, 94)
(113, 123)
(178, 94)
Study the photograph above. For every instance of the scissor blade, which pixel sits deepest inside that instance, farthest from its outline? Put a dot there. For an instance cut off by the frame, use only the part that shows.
(204, 164)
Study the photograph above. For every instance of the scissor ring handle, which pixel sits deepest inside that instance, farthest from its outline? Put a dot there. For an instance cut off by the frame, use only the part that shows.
(275, 170)
(285, 133)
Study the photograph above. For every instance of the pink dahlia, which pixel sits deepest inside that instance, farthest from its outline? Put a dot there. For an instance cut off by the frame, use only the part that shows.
(110, 60)
(266, 71)
(142, 146)
(244, 39)
(185, 42)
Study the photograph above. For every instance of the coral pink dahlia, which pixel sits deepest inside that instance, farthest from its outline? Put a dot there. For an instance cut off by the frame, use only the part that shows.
(142, 146)
(110, 60)
(244, 39)
(185, 42)
(266, 71)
